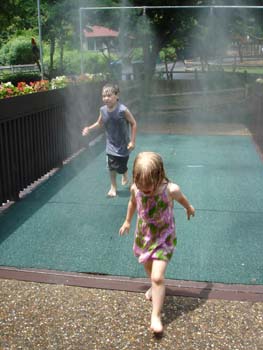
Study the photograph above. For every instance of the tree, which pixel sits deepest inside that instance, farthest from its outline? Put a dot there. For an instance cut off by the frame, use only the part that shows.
(245, 26)
(16, 16)
(57, 26)
(164, 28)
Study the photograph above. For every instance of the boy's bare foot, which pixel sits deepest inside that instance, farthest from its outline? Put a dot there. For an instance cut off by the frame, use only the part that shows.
(156, 325)
(112, 192)
(124, 180)
(148, 294)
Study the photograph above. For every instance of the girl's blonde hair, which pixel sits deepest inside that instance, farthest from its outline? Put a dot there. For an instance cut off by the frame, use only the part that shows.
(148, 170)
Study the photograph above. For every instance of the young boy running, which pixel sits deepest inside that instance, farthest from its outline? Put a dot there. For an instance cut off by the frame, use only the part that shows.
(120, 139)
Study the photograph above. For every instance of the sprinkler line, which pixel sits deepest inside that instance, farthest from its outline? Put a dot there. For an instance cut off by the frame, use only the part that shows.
(175, 7)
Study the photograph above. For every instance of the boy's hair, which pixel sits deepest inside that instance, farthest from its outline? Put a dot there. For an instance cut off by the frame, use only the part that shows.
(112, 88)
(148, 170)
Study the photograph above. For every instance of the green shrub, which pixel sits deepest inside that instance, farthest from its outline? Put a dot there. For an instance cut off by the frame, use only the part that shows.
(16, 51)
(15, 78)
(93, 62)
(71, 62)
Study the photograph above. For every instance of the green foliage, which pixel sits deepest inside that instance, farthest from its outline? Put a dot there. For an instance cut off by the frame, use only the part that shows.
(168, 54)
(191, 32)
(16, 51)
(16, 16)
(137, 54)
(93, 62)
(71, 62)
(15, 78)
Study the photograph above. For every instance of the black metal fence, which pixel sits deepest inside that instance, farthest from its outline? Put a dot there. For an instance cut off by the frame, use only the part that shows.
(31, 140)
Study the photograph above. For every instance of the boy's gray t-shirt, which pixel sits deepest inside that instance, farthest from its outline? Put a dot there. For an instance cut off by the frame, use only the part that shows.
(117, 130)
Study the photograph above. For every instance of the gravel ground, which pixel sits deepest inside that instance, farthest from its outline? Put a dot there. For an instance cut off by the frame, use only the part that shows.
(42, 316)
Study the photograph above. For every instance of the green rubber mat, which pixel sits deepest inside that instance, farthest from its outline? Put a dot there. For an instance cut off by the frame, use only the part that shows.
(69, 224)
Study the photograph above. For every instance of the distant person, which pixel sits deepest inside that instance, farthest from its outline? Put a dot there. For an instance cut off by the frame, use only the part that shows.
(36, 53)
(153, 196)
(120, 127)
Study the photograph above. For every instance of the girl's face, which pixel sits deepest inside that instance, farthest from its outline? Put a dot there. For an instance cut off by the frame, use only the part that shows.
(109, 99)
(148, 190)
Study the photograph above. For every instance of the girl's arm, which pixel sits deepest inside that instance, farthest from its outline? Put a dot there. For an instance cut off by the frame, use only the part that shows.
(132, 121)
(97, 124)
(125, 228)
(176, 194)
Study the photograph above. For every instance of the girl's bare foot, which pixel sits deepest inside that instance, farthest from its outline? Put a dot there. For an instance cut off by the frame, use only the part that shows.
(148, 294)
(156, 325)
(112, 192)
(124, 179)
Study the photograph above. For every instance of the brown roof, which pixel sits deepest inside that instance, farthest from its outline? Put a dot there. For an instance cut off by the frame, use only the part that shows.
(98, 31)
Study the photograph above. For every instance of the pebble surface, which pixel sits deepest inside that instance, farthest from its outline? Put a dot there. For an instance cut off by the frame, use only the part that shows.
(42, 316)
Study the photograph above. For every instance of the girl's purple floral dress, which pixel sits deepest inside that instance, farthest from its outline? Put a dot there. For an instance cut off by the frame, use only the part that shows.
(155, 230)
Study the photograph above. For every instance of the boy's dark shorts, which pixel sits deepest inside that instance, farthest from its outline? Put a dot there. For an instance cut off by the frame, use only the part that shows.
(118, 164)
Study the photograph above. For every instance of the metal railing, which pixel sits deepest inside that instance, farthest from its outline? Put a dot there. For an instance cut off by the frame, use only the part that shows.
(32, 142)
(24, 68)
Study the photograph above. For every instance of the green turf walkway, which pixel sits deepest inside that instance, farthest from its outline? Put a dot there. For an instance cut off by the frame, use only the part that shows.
(69, 224)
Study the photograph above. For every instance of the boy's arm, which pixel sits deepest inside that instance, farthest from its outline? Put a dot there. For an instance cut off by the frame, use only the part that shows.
(176, 194)
(133, 124)
(130, 212)
(97, 124)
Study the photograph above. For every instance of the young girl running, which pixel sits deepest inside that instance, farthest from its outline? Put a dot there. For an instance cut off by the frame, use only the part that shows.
(152, 195)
